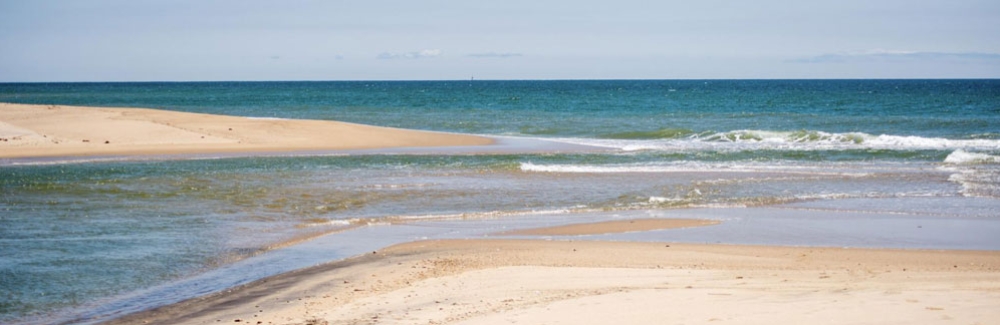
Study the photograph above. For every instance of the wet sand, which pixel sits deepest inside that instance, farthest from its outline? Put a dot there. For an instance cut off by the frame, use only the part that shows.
(60, 131)
(595, 282)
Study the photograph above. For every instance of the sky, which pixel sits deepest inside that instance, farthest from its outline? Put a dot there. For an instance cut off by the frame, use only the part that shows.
(204, 40)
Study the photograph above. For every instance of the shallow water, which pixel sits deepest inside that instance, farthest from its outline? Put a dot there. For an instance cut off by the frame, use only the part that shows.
(786, 225)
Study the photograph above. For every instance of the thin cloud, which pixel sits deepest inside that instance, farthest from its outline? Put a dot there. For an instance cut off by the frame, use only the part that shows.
(410, 55)
(493, 55)
(901, 56)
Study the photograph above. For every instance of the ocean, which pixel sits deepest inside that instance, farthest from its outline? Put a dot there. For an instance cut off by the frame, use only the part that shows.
(786, 162)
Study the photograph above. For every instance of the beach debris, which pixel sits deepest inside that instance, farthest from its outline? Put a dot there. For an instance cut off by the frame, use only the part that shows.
(85, 140)
(107, 142)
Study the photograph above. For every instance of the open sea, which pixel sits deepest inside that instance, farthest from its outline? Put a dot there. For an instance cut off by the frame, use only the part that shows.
(852, 163)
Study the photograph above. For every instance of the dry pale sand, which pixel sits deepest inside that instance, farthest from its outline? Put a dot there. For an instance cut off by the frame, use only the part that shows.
(587, 282)
(56, 131)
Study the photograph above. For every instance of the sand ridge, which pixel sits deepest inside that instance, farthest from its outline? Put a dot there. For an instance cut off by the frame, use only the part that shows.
(57, 130)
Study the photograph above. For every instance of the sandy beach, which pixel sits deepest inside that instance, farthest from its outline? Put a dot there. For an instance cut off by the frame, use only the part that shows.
(552, 279)
(592, 282)
(56, 131)
(502, 162)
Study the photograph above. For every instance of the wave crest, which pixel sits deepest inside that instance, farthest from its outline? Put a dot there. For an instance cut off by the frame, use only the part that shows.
(678, 140)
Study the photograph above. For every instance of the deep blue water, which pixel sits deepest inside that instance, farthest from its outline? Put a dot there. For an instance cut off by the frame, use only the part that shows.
(955, 109)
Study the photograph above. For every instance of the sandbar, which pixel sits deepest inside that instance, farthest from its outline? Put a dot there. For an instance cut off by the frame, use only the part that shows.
(64, 131)
(496, 281)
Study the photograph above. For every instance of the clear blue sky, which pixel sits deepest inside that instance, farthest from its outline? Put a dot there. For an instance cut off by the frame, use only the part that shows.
(128, 40)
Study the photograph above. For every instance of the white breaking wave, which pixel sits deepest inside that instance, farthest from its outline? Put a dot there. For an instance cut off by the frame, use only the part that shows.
(962, 157)
(976, 172)
(977, 183)
(785, 140)
(694, 166)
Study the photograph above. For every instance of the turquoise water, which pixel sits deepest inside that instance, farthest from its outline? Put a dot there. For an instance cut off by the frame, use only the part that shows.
(75, 234)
